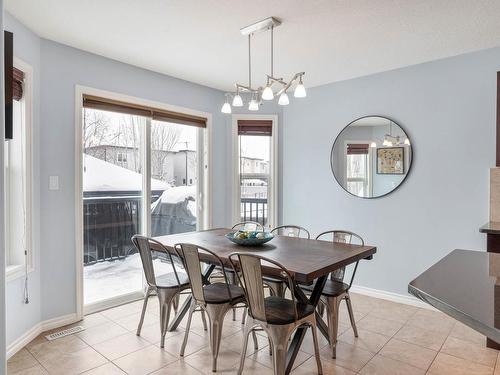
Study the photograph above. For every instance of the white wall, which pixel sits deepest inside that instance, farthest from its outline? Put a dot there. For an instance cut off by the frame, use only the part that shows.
(447, 108)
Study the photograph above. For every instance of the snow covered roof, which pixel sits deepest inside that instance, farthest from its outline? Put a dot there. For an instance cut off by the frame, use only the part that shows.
(99, 175)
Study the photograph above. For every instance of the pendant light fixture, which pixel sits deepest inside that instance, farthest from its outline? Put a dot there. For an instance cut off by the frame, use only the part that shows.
(226, 107)
(257, 95)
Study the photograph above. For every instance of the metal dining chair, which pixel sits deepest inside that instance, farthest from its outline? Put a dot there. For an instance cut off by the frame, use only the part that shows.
(246, 225)
(277, 285)
(215, 299)
(167, 286)
(277, 316)
(292, 231)
(336, 289)
(249, 225)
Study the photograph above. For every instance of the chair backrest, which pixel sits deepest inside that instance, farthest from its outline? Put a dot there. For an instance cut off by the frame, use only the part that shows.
(342, 236)
(190, 255)
(292, 231)
(249, 225)
(251, 270)
(145, 247)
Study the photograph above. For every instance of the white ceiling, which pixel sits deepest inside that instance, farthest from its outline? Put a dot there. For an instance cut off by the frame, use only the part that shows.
(331, 40)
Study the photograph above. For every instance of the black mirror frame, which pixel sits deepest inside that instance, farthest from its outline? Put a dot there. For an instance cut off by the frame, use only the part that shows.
(409, 167)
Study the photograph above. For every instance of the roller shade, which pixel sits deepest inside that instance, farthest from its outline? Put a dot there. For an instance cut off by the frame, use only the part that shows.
(357, 148)
(111, 105)
(255, 127)
(17, 84)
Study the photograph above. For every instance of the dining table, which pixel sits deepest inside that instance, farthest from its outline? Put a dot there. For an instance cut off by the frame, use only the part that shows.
(308, 261)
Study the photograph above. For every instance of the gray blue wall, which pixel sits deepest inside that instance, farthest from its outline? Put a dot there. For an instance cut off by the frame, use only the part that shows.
(447, 107)
(26, 316)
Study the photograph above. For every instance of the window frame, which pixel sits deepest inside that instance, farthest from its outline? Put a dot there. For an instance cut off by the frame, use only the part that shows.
(18, 269)
(369, 166)
(205, 143)
(273, 201)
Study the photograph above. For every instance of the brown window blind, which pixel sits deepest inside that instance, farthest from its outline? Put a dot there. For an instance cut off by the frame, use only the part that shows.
(255, 127)
(111, 105)
(17, 84)
(357, 148)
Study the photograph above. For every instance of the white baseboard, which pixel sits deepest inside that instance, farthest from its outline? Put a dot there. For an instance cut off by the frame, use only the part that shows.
(394, 297)
(39, 328)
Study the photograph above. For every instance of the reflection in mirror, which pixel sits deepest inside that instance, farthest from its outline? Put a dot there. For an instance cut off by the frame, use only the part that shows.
(371, 157)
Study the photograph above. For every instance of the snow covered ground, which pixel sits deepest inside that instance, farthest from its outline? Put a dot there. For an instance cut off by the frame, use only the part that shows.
(111, 279)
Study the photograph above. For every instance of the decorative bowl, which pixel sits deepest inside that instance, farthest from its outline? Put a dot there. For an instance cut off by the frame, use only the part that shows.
(249, 238)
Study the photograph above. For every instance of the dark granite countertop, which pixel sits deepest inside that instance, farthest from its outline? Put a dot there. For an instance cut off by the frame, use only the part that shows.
(465, 284)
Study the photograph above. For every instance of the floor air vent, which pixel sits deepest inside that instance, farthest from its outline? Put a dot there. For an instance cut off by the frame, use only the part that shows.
(64, 332)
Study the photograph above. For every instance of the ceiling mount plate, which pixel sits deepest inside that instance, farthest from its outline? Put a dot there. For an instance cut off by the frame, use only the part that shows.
(263, 25)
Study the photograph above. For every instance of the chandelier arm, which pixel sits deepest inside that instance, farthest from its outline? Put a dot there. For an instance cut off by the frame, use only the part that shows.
(287, 86)
(278, 80)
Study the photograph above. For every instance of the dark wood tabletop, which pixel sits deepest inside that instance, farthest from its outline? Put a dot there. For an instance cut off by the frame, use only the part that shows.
(305, 259)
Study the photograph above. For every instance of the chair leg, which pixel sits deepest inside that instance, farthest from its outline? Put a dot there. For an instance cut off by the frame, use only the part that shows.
(165, 297)
(316, 348)
(204, 320)
(176, 303)
(279, 339)
(216, 313)
(246, 334)
(332, 312)
(188, 326)
(245, 312)
(144, 306)
(351, 314)
(234, 281)
(321, 308)
(255, 342)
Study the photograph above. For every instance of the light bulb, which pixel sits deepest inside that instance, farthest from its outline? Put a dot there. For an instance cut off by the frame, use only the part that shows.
(300, 91)
(407, 141)
(237, 101)
(226, 108)
(268, 94)
(253, 105)
(283, 100)
(373, 144)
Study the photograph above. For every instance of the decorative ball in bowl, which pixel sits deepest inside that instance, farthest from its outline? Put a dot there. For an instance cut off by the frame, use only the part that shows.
(249, 238)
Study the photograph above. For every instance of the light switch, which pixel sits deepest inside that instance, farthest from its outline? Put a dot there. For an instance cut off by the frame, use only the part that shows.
(53, 182)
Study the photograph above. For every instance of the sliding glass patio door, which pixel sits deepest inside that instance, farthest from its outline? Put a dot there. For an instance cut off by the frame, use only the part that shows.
(140, 176)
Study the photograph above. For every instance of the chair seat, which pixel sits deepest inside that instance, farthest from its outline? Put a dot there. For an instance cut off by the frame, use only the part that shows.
(333, 288)
(168, 280)
(217, 293)
(280, 311)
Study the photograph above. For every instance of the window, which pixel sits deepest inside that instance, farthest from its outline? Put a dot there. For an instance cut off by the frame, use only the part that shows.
(134, 158)
(122, 157)
(17, 176)
(255, 184)
(358, 169)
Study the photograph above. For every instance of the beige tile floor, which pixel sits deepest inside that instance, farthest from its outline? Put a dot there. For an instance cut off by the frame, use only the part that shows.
(393, 339)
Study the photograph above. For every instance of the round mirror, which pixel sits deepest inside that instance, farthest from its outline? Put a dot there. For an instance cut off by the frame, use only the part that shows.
(371, 157)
